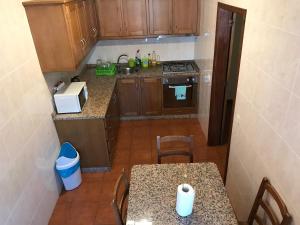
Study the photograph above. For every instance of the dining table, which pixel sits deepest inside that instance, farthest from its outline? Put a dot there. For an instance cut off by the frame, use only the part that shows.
(153, 190)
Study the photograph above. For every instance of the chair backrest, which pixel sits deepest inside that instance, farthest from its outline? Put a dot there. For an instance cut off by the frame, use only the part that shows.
(186, 139)
(119, 198)
(268, 211)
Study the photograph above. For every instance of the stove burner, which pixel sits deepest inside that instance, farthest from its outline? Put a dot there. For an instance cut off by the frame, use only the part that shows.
(178, 67)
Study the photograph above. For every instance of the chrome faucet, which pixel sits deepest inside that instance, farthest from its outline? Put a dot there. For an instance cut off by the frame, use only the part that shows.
(118, 61)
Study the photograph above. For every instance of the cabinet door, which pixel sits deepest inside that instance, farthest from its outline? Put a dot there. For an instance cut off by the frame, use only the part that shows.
(135, 17)
(129, 96)
(110, 17)
(84, 25)
(71, 13)
(151, 96)
(92, 17)
(160, 14)
(185, 16)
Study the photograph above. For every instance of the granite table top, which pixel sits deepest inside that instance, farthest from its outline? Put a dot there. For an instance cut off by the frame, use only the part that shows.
(153, 188)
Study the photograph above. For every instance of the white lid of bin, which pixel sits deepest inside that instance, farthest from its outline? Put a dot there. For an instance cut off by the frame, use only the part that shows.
(63, 163)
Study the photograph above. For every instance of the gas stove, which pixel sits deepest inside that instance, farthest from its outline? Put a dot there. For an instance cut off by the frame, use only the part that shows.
(173, 68)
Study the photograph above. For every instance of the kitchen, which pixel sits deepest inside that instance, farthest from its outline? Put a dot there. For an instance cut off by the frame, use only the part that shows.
(31, 140)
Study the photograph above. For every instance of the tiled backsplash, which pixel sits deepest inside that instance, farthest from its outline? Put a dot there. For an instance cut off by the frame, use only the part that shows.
(28, 140)
(168, 48)
(266, 129)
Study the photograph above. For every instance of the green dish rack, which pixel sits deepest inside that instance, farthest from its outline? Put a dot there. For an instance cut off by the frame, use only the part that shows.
(108, 71)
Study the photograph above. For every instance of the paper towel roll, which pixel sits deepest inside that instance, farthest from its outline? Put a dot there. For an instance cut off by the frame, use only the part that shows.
(185, 199)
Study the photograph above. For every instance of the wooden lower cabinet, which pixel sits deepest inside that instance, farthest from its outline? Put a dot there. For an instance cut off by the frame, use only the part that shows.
(129, 96)
(140, 96)
(88, 137)
(151, 96)
(94, 139)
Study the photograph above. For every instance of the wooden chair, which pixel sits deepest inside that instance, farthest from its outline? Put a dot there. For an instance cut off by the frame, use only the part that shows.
(119, 198)
(170, 139)
(268, 211)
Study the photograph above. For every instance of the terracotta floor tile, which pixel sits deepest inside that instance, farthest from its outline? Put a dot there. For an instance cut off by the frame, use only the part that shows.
(90, 203)
(88, 192)
(83, 213)
(60, 214)
(104, 216)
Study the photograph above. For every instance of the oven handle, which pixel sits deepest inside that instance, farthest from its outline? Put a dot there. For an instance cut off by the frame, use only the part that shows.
(187, 86)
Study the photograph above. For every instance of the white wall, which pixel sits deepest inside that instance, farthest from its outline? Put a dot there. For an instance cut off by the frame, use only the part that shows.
(266, 129)
(169, 48)
(28, 140)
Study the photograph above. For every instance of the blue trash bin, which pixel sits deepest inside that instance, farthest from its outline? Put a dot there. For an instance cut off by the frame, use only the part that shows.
(68, 166)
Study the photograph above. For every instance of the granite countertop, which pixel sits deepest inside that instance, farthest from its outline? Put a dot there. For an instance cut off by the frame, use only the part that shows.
(100, 90)
(153, 188)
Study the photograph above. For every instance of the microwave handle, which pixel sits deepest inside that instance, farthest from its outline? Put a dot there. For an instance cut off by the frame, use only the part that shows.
(86, 94)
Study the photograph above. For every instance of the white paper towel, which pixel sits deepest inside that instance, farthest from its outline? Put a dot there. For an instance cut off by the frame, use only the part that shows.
(185, 199)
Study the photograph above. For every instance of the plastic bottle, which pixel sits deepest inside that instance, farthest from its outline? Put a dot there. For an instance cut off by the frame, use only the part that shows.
(153, 58)
(138, 60)
(149, 59)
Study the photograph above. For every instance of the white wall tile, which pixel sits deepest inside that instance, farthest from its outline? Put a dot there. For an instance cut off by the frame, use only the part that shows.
(25, 111)
(266, 133)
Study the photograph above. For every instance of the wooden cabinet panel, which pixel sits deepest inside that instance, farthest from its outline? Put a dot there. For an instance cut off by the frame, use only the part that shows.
(112, 121)
(93, 23)
(151, 96)
(110, 17)
(88, 137)
(135, 17)
(74, 30)
(60, 30)
(84, 25)
(129, 96)
(160, 16)
(185, 16)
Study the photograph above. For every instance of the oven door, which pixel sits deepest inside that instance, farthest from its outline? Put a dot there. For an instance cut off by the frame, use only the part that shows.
(170, 100)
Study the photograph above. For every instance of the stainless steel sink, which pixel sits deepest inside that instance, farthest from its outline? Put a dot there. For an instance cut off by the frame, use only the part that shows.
(126, 70)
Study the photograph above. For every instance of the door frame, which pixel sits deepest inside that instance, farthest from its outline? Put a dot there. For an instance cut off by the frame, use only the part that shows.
(241, 12)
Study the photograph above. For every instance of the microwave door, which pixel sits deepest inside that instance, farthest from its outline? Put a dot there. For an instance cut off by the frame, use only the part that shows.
(82, 98)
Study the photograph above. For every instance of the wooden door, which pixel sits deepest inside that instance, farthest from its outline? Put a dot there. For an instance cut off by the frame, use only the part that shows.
(160, 15)
(185, 16)
(221, 58)
(129, 96)
(151, 96)
(74, 31)
(84, 25)
(135, 17)
(110, 17)
(93, 23)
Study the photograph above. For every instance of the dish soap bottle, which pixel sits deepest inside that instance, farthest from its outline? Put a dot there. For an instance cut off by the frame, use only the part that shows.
(153, 58)
(149, 59)
(138, 60)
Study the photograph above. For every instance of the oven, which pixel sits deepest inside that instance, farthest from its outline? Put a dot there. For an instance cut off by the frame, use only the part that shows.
(172, 84)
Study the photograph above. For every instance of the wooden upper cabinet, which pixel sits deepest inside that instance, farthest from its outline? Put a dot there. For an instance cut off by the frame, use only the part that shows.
(135, 17)
(60, 31)
(151, 96)
(93, 22)
(186, 15)
(110, 17)
(160, 16)
(84, 25)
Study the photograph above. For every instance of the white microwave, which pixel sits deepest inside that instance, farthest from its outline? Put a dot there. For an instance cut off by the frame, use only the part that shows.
(72, 98)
